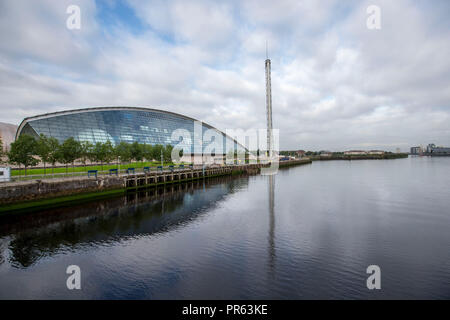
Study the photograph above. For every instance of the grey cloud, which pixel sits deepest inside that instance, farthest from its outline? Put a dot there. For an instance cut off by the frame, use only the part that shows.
(336, 84)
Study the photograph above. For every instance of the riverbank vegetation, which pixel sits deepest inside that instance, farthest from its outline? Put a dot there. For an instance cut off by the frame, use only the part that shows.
(28, 151)
(2, 153)
(388, 155)
(85, 168)
(321, 155)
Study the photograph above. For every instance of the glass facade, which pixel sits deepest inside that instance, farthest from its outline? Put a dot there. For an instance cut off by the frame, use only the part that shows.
(128, 125)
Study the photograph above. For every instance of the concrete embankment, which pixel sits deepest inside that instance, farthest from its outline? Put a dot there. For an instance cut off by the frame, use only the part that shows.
(40, 189)
(26, 195)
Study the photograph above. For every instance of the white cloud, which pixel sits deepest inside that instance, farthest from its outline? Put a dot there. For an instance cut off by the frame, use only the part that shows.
(336, 84)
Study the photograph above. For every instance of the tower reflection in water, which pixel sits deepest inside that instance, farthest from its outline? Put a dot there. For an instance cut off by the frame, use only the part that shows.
(272, 252)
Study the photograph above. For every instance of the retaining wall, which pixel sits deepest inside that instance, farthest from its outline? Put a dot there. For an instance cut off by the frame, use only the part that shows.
(25, 191)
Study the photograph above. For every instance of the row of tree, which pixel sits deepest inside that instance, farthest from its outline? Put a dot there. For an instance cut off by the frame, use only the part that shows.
(1, 150)
(307, 153)
(29, 151)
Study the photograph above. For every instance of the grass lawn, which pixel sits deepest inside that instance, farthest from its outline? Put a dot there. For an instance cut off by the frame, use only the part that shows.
(71, 169)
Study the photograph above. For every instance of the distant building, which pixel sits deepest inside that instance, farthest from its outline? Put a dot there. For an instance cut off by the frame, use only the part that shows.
(376, 152)
(440, 151)
(7, 134)
(326, 154)
(430, 147)
(416, 150)
(355, 152)
(431, 150)
(300, 153)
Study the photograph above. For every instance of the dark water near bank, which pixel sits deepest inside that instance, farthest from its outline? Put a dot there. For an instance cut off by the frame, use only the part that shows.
(308, 232)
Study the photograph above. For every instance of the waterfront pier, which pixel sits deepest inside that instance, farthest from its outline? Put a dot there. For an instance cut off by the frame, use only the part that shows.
(31, 193)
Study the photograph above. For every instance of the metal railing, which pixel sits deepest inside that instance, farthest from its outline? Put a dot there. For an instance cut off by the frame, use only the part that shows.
(109, 172)
(118, 172)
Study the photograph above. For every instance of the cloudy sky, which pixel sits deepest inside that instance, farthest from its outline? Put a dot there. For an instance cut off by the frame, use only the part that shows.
(336, 83)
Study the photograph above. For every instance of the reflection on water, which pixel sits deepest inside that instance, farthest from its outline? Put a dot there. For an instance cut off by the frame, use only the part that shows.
(271, 197)
(113, 220)
(307, 232)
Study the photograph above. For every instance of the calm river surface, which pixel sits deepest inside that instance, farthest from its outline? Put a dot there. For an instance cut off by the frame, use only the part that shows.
(308, 232)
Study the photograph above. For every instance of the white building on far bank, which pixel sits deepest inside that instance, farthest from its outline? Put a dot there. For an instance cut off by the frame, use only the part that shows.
(355, 152)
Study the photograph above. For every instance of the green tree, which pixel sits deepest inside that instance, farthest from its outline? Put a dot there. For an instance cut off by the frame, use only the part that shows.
(109, 152)
(167, 153)
(147, 150)
(85, 151)
(2, 153)
(103, 152)
(123, 150)
(43, 150)
(22, 152)
(156, 151)
(137, 152)
(69, 151)
(97, 153)
(54, 155)
(92, 156)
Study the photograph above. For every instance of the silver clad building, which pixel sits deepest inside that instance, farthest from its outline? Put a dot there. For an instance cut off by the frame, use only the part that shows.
(128, 124)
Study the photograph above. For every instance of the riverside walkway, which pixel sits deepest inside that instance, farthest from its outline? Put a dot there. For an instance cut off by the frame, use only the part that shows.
(40, 189)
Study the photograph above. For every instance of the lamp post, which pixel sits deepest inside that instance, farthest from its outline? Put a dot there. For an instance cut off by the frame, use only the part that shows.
(162, 164)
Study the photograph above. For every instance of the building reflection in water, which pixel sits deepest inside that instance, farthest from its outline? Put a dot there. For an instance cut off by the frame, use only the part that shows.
(29, 238)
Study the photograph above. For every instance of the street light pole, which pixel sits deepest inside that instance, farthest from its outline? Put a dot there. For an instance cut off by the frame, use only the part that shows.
(162, 164)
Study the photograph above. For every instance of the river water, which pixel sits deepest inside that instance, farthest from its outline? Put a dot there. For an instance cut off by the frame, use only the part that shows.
(308, 232)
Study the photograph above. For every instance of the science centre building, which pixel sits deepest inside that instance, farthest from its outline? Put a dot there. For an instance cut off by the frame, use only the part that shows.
(127, 124)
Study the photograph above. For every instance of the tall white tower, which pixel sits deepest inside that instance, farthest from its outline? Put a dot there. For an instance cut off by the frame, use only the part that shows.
(269, 110)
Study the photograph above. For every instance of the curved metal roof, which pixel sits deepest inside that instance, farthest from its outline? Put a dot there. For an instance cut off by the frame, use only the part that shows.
(116, 108)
